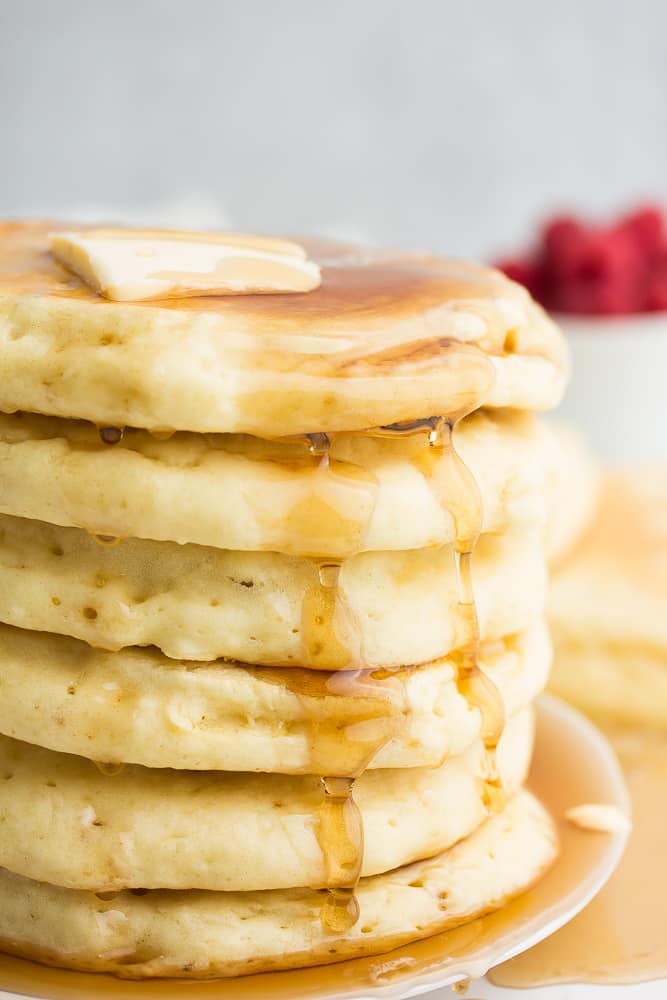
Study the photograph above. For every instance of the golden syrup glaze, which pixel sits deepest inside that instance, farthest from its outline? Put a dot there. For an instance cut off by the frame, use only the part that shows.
(111, 435)
(369, 285)
(328, 627)
(329, 632)
(109, 769)
(377, 312)
(340, 826)
(388, 336)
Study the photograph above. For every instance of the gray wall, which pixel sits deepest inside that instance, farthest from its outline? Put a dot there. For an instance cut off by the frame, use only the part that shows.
(452, 125)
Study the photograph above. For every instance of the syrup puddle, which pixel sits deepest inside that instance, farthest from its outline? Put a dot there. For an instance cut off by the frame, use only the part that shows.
(621, 936)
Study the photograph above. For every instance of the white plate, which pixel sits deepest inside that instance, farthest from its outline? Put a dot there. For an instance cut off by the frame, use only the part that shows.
(573, 764)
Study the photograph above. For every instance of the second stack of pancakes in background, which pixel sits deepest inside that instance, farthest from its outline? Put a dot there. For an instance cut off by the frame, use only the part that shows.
(276, 564)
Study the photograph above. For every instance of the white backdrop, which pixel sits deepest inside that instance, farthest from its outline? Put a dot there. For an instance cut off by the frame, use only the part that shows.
(424, 122)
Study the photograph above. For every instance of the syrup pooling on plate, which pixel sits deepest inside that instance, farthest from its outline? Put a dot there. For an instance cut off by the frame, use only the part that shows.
(620, 936)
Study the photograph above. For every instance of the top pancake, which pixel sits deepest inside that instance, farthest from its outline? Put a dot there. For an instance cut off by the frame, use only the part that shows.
(387, 337)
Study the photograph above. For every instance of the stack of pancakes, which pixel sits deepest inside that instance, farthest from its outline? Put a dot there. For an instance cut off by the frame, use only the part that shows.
(272, 583)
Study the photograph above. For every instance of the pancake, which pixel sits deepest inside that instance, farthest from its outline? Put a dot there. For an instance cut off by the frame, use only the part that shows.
(138, 706)
(149, 828)
(273, 496)
(202, 934)
(607, 605)
(389, 608)
(572, 488)
(387, 337)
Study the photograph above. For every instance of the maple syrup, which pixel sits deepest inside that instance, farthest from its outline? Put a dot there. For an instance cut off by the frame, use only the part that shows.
(566, 769)
(110, 769)
(111, 435)
(619, 938)
(330, 635)
(433, 367)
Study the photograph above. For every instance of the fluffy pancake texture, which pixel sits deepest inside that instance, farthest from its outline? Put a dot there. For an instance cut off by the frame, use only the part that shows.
(272, 586)
(244, 493)
(393, 608)
(151, 828)
(607, 604)
(573, 484)
(139, 706)
(205, 934)
(388, 336)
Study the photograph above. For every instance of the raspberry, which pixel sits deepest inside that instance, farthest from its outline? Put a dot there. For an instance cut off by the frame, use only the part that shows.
(596, 298)
(598, 270)
(655, 292)
(646, 226)
(562, 240)
(523, 271)
(609, 254)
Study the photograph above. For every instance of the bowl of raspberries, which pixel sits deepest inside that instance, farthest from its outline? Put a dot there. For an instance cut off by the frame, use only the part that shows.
(605, 283)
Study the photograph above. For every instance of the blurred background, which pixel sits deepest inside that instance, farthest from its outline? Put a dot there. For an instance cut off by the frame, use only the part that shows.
(427, 123)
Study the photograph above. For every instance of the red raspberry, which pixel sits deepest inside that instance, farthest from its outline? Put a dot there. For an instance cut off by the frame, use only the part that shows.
(579, 268)
(562, 240)
(522, 270)
(646, 226)
(655, 292)
(596, 298)
(609, 255)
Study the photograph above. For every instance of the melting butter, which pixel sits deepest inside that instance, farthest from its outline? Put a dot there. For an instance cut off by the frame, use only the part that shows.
(128, 265)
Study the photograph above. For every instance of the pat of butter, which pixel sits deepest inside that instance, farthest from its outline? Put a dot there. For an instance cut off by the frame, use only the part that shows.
(129, 265)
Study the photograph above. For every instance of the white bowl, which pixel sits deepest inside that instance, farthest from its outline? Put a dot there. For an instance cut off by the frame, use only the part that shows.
(618, 392)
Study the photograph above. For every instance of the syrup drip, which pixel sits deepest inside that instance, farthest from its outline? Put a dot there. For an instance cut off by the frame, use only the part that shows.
(107, 541)
(335, 505)
(458, 493)
(330, 635)
(111, 435)
(340, 830)
(319, 444)
(455, 489)
(109, 769)
(327, 626)
(341, 834)
(478, 690)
